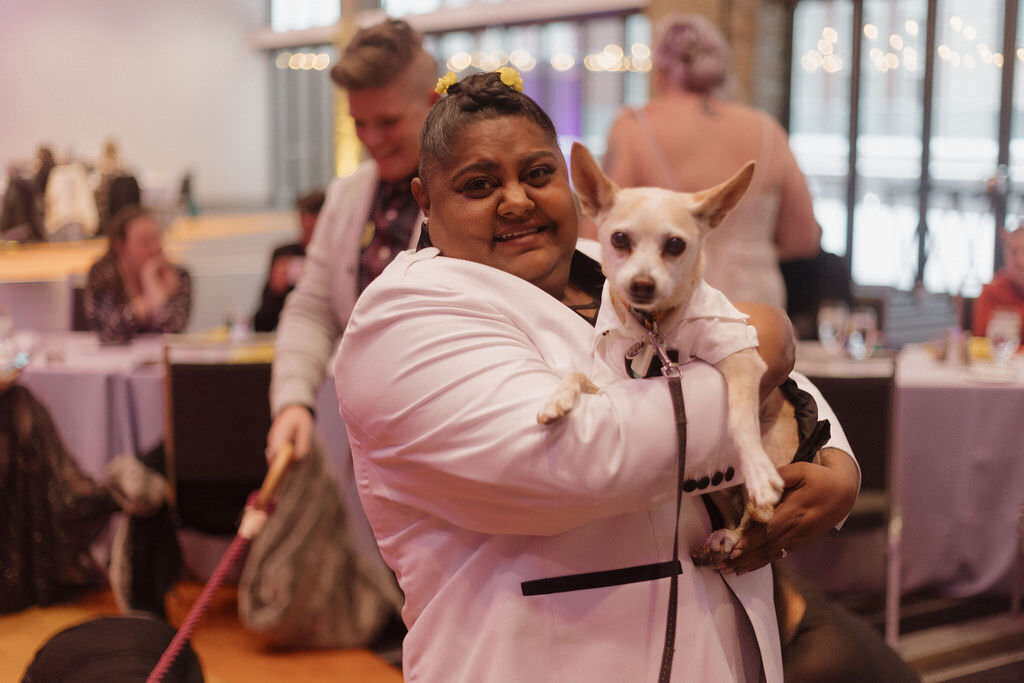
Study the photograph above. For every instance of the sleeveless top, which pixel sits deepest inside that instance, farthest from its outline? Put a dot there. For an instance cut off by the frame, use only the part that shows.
(741, 259)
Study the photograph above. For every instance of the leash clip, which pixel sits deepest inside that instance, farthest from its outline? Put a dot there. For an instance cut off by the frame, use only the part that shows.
(669, 368)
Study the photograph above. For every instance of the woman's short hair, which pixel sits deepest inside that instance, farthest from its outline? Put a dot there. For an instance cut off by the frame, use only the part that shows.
(477, 97)
(379, 55)
(690, 52)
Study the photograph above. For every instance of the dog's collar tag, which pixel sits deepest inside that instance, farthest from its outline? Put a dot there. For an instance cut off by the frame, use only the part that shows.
(635, 349)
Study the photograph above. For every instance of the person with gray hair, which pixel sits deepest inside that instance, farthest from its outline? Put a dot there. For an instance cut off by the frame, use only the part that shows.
(690, 136)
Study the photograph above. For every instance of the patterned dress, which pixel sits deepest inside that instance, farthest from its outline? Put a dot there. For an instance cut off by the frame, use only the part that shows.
(109, 311)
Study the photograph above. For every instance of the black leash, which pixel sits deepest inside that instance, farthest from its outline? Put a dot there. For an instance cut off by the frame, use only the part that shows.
(675, 386)
(649, 572)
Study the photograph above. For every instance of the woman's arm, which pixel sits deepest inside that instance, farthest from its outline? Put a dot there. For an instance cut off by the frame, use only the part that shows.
(440, 391)
(797, 233)
(775, 342)
(172, 315)
(619, 162)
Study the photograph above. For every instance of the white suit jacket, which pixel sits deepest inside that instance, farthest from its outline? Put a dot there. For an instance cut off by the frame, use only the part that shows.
(316, 311)
(441, 371)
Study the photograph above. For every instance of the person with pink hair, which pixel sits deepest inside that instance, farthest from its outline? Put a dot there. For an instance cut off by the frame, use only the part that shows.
(690, 136)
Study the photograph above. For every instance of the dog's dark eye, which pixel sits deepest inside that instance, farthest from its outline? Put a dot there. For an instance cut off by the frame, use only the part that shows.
(674, 246)
(620, 240)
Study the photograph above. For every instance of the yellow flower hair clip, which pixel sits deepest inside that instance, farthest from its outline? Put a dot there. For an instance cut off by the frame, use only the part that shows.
(445, 82)
(511, 78)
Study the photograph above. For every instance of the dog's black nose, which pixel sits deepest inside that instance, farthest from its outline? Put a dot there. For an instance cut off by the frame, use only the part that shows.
(641, 289)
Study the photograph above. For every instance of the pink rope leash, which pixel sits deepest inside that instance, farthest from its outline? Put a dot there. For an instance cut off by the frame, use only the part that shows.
(257, 509)
(236, 551)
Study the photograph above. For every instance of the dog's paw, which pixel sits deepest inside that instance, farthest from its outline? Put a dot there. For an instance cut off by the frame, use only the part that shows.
(763, 486)
(564, 398)
(716, 547)
(549, 413)
(557, 407)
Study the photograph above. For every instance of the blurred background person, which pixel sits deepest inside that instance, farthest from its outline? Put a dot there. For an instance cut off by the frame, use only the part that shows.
(21, 213)
(368, 217)
(45, 162)
(1006, 290)
(133, 289)
(689, 138)
(50, 511)
(286, 264)
(69, 203)
(116, 187)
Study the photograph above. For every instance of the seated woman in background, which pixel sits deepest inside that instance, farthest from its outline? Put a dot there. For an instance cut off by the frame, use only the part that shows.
(1007, 287)
(689, 138)
(133, 289)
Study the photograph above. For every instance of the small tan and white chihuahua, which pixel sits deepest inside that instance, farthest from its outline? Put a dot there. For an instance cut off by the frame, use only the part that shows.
(652, 256)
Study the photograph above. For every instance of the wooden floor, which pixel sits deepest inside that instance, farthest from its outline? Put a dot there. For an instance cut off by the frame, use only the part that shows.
(227, 651)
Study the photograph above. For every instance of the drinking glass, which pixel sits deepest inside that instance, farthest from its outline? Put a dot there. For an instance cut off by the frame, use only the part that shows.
(1003, 334)
(862, 333)
(832, 320)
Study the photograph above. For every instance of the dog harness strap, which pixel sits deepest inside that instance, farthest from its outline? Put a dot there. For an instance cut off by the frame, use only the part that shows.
(603, 579)
(676, 390)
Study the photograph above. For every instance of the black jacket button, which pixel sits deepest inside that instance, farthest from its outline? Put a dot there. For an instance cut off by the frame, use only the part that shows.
(729, 474)
(704, 483)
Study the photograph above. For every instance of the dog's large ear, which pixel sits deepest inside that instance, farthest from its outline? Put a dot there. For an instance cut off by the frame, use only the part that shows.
(714, 204)
(596, 192)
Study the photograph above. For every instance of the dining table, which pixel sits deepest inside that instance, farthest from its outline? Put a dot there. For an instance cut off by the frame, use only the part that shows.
(105, 399)
(957, 508)
(955, 469)
(108, 399)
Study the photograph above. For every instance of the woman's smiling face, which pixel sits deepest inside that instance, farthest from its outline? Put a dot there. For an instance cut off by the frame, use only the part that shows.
(503, 199)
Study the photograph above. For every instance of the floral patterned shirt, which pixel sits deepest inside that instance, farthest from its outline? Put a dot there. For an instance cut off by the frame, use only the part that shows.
(110, 313)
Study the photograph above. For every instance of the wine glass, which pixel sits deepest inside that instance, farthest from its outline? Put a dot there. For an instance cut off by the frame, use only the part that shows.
(832, 321)
(862, 333)
(1003, 334)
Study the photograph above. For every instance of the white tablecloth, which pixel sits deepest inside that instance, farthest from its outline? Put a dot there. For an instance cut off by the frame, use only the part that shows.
(108, 400)
(105, 400)
(959, 448)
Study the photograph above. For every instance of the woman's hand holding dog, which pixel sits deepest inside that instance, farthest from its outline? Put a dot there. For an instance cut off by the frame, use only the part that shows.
(816, 498)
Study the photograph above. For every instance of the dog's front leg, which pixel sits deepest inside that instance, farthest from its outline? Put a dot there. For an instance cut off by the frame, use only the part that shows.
(564, 397)
(743, 371)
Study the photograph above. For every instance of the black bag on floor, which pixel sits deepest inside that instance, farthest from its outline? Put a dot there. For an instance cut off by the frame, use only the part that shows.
(123, 649)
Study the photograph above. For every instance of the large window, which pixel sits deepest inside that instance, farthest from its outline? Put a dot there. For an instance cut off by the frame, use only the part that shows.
(922, 100)
(293, 15)
(303, 131)
(581, 72)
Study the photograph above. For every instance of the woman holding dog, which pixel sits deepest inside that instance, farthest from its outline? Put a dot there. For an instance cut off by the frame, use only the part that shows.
(494, 524)
(689, 137)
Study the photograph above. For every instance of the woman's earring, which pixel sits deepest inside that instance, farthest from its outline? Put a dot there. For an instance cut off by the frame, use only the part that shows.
(424, 240)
